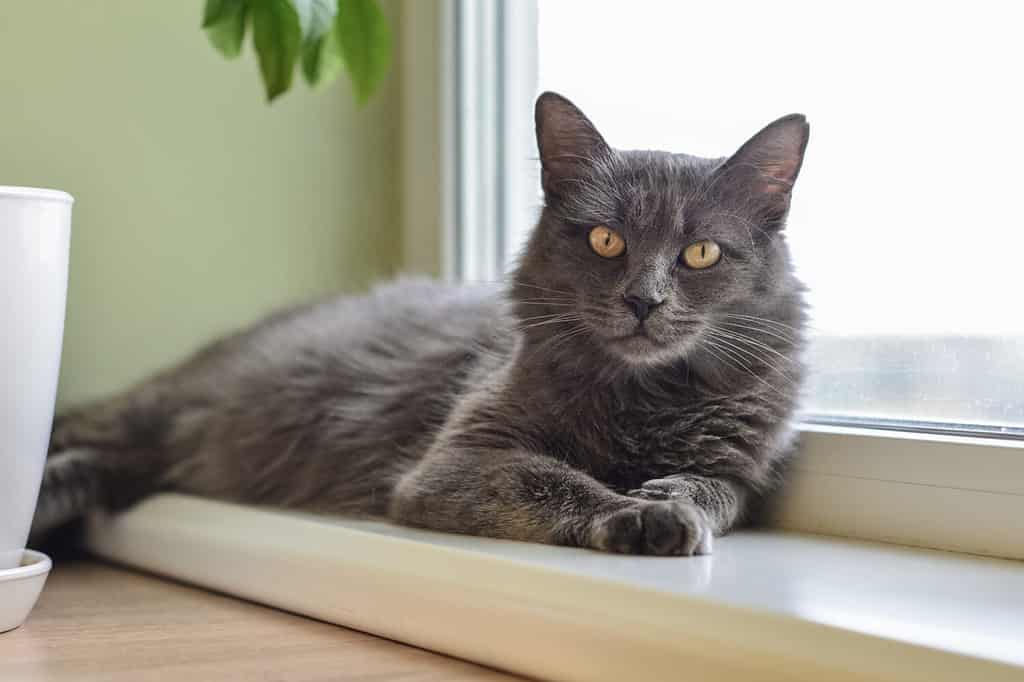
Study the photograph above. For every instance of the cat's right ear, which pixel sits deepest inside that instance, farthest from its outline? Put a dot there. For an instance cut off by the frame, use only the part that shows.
(568, 142)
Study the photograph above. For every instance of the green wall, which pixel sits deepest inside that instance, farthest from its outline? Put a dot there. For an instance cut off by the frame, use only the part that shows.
(199, 207)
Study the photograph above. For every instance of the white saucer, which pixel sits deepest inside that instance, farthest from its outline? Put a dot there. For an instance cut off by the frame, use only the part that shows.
(20, 588)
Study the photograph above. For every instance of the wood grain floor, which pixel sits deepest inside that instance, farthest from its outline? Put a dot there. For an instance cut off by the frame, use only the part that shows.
(96, 622)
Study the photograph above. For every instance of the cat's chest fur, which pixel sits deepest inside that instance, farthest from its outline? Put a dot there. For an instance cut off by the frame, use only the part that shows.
(622, 432)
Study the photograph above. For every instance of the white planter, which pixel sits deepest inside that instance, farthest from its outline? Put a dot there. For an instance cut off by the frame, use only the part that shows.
(35, 231)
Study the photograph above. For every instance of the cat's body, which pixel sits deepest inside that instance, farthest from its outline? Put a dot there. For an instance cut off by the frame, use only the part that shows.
(318, 407)
(627, 403)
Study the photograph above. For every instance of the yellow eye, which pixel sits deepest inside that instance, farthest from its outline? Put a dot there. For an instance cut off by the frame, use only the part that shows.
(606, 242)
(702, 254)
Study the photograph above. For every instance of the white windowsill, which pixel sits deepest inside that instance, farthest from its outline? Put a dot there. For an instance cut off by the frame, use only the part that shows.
(767, 605)
(943, 492)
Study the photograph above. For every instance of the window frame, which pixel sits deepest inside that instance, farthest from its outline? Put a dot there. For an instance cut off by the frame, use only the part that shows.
(494, 70)
(926, 486)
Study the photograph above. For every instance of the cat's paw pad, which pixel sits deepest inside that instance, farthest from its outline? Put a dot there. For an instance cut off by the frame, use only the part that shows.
(662, 528)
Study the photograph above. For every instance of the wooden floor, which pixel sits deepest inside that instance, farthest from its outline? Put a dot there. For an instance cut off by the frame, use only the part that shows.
(96, 622)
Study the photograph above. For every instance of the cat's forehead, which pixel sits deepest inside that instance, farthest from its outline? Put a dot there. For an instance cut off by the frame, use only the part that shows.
(637, 189)
(657, 169)
(655, 186)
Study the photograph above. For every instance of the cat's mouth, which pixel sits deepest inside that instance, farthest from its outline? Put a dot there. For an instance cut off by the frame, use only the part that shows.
(639, 339)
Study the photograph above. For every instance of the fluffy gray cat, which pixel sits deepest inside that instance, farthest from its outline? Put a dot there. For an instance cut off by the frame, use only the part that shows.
(631, 389)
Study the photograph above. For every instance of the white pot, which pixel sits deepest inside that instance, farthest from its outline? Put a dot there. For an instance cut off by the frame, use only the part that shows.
(35, 231)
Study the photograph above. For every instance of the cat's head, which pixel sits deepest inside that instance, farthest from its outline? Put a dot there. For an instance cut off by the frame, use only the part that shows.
(651, 255)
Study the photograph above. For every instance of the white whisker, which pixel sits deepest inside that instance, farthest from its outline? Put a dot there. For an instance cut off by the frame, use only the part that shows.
(751, 355)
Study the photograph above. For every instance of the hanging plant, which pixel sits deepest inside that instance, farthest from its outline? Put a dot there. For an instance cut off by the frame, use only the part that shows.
(322, 37)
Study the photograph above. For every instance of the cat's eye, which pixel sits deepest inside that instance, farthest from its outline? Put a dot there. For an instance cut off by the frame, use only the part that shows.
(606, 242)
(702, 254)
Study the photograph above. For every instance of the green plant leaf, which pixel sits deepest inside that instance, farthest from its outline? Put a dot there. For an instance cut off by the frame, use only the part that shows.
(215, 10)
(322, 60)
(321, 55)
(224, 22)
(316, 17)
(365, 41)
(277, 37)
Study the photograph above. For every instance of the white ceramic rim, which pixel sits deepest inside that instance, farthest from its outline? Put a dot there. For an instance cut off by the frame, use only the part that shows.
(33, 563)
(36, 193)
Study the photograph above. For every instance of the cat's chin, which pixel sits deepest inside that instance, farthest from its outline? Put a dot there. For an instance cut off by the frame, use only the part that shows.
(639, 349)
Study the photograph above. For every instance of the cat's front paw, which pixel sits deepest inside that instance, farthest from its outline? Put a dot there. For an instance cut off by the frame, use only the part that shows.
(663, 528)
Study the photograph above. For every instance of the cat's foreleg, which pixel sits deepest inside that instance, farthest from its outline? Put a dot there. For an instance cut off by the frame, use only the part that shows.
(519, 495)
(723, 501)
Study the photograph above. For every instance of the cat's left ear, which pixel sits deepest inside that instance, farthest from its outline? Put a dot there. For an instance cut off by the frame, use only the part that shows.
(568, 143)
(770, 161)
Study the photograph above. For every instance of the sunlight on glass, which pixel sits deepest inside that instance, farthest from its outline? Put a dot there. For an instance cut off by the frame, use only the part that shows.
(905, 222)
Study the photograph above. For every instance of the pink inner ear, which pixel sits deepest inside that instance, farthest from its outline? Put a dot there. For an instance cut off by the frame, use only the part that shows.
(779, 175)
(780, 170)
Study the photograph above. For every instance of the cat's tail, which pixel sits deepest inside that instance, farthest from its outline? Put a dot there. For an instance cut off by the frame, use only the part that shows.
(99, 458)
(71, 488)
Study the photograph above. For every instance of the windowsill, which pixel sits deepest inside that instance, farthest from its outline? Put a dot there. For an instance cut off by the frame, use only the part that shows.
(773, 604)
(954, 493)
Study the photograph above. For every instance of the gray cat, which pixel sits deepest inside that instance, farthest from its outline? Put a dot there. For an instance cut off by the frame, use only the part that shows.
(631, 389)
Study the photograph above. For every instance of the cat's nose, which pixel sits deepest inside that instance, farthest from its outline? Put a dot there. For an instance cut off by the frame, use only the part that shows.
(642, 305)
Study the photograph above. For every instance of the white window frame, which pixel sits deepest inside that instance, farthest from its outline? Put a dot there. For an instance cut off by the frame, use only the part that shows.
(494, 169)
(943, 490)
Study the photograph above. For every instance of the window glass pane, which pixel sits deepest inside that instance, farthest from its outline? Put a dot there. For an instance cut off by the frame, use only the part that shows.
(906, 222)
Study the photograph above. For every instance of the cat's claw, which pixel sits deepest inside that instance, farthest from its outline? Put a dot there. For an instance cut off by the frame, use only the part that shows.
(659, 489)
(652, 494)
(706, 542)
